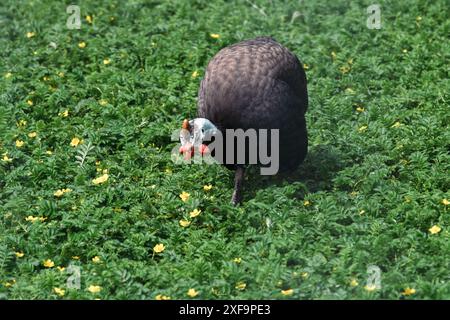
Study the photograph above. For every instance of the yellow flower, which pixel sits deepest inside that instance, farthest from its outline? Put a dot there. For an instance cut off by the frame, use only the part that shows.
(61, 74)
(396, 125)
(8, 75)
(435, 229)
(184, 223)
(207, 187)
(34, 219)
(6, 158)
(104, 171)
(306, 203)
(45, 78)
(22, 123)
(159, 248)
(405, 50)
(333, 55)
(94, 289)
(31, 218)
(64, 113)
(445, 202)
(19, 254)
(195, 213)
(29, 102)
(344, 69)
(82, 45)
(103, 102)
(30, 34)
(361, 212)
(61, 269)
(106, 61)
(287, 292)
(237, 260)
(360, 109)
(195, 74)
(192, 293)
(96, 259)
(49, 152)
(184, 196)
(305, 66)
(102, 179)
(75, 257)
(97, 163)
(305, 275)
(362, 128)
(370, 288)
(48, 263)
(60, 292)
(162, 297)
(9, 284)
(32, 134)
(419, 18)
(75, 142)
(354, 283)
(89, 19)
(19, 143)
(241, 285)
(350, 91)
(409, 291)
(58, 193)
(214, 35)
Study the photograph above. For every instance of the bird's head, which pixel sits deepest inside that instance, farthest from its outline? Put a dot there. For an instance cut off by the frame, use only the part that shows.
(192, 135)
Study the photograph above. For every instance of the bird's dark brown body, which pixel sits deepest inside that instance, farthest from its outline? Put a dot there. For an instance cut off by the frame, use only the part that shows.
(262, 85)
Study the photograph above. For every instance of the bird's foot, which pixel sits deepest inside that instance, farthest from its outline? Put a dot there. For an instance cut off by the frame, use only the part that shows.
(238, 179)
(236, 199)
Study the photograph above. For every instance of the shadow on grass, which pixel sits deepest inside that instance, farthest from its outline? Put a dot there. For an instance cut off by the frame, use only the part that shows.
(316, 173)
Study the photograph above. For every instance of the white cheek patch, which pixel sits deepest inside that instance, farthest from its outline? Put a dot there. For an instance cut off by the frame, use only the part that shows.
(185, 136)
(198, 137)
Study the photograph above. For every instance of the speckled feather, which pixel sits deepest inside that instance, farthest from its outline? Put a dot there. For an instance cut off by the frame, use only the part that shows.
(258, 84)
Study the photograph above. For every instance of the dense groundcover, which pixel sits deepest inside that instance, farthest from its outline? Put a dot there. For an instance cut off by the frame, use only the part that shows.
(87, 184)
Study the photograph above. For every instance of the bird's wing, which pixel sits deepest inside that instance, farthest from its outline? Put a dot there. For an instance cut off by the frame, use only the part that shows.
(242, 76)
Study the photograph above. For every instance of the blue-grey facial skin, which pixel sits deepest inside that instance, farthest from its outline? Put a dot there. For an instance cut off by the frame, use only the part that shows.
(198, 128)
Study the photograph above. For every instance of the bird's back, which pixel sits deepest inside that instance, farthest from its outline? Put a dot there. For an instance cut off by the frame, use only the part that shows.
(258, 84)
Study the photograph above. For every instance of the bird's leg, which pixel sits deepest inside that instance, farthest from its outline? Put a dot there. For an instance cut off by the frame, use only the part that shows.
(238, 179)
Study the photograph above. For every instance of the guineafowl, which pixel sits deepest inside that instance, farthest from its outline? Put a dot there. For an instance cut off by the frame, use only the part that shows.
(253, 84)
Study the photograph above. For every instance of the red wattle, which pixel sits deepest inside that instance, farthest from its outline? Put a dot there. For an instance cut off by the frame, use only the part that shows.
(187, 150)
(203, 149)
